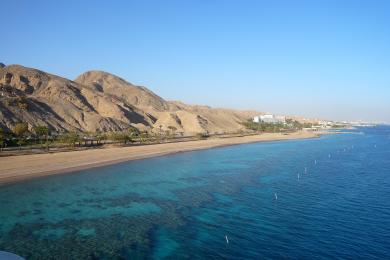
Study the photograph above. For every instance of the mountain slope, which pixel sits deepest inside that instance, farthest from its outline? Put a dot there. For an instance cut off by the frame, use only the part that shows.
(113, 85)
(100, 101)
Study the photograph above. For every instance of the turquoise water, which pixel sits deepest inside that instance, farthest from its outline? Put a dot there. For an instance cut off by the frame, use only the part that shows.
(183, 205)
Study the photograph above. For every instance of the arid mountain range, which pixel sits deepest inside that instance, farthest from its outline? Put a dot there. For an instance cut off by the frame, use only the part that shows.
(100, 101)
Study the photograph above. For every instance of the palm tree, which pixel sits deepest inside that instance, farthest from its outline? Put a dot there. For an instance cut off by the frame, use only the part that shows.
(143, 136)
(70, 138)
(20, 131)
(2, 139)
(173, 130)
(101, 137)
(42, 131)
(132, 132)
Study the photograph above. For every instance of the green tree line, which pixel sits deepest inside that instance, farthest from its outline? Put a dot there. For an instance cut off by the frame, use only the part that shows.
(290, 124)
(21, 135)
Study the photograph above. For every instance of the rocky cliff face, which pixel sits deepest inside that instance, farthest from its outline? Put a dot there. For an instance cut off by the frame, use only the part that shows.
(99, 101)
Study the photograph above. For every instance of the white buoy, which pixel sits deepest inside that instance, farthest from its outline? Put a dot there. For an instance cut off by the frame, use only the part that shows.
(329, 155)
(315, 161)
(298, 176)
(276, 196)
(227, 240)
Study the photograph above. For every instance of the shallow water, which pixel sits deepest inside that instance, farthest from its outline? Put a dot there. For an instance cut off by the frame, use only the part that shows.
(183, 205)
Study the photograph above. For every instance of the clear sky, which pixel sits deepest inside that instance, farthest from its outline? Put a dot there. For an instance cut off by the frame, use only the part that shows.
(328, 59)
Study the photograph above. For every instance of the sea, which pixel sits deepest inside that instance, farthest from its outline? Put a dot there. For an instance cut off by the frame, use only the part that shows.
(320, 198)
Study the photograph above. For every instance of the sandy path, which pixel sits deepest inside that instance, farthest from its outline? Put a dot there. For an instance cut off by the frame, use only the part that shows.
(17, 168)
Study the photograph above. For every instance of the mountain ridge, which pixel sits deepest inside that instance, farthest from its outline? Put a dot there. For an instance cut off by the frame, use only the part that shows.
(100, 101)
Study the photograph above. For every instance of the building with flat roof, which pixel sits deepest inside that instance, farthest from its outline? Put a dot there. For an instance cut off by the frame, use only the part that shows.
(269, 118)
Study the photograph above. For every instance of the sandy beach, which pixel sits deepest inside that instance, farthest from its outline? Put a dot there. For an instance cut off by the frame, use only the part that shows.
(19, 168)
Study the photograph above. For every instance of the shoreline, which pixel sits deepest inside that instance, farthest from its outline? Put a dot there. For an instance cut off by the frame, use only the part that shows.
(25, 167)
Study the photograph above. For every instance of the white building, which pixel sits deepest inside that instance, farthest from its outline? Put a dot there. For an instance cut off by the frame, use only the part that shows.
(268, 118)
(256, 119)
(326, 124)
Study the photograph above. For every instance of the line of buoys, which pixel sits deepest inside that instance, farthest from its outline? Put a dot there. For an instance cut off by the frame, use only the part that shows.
(315, 163)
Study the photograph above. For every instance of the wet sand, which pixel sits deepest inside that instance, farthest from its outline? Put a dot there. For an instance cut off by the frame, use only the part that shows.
(23, 167)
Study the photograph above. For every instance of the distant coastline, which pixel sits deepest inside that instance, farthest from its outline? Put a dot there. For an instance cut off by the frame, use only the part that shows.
(24, 167)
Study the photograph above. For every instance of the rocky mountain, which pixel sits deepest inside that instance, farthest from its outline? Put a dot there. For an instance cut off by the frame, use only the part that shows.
(100, 101)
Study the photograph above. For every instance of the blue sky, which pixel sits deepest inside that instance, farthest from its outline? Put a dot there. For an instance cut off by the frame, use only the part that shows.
(327, 59)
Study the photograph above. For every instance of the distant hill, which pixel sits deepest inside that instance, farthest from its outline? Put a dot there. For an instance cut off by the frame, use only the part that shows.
(100, 101)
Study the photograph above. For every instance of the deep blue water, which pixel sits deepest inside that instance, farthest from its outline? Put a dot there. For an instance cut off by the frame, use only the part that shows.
(183, 205)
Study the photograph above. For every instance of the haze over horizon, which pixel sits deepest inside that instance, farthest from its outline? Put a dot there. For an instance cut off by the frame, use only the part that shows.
(323, 59)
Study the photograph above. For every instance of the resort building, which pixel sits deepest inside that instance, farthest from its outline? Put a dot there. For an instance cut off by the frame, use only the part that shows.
(268, 118)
